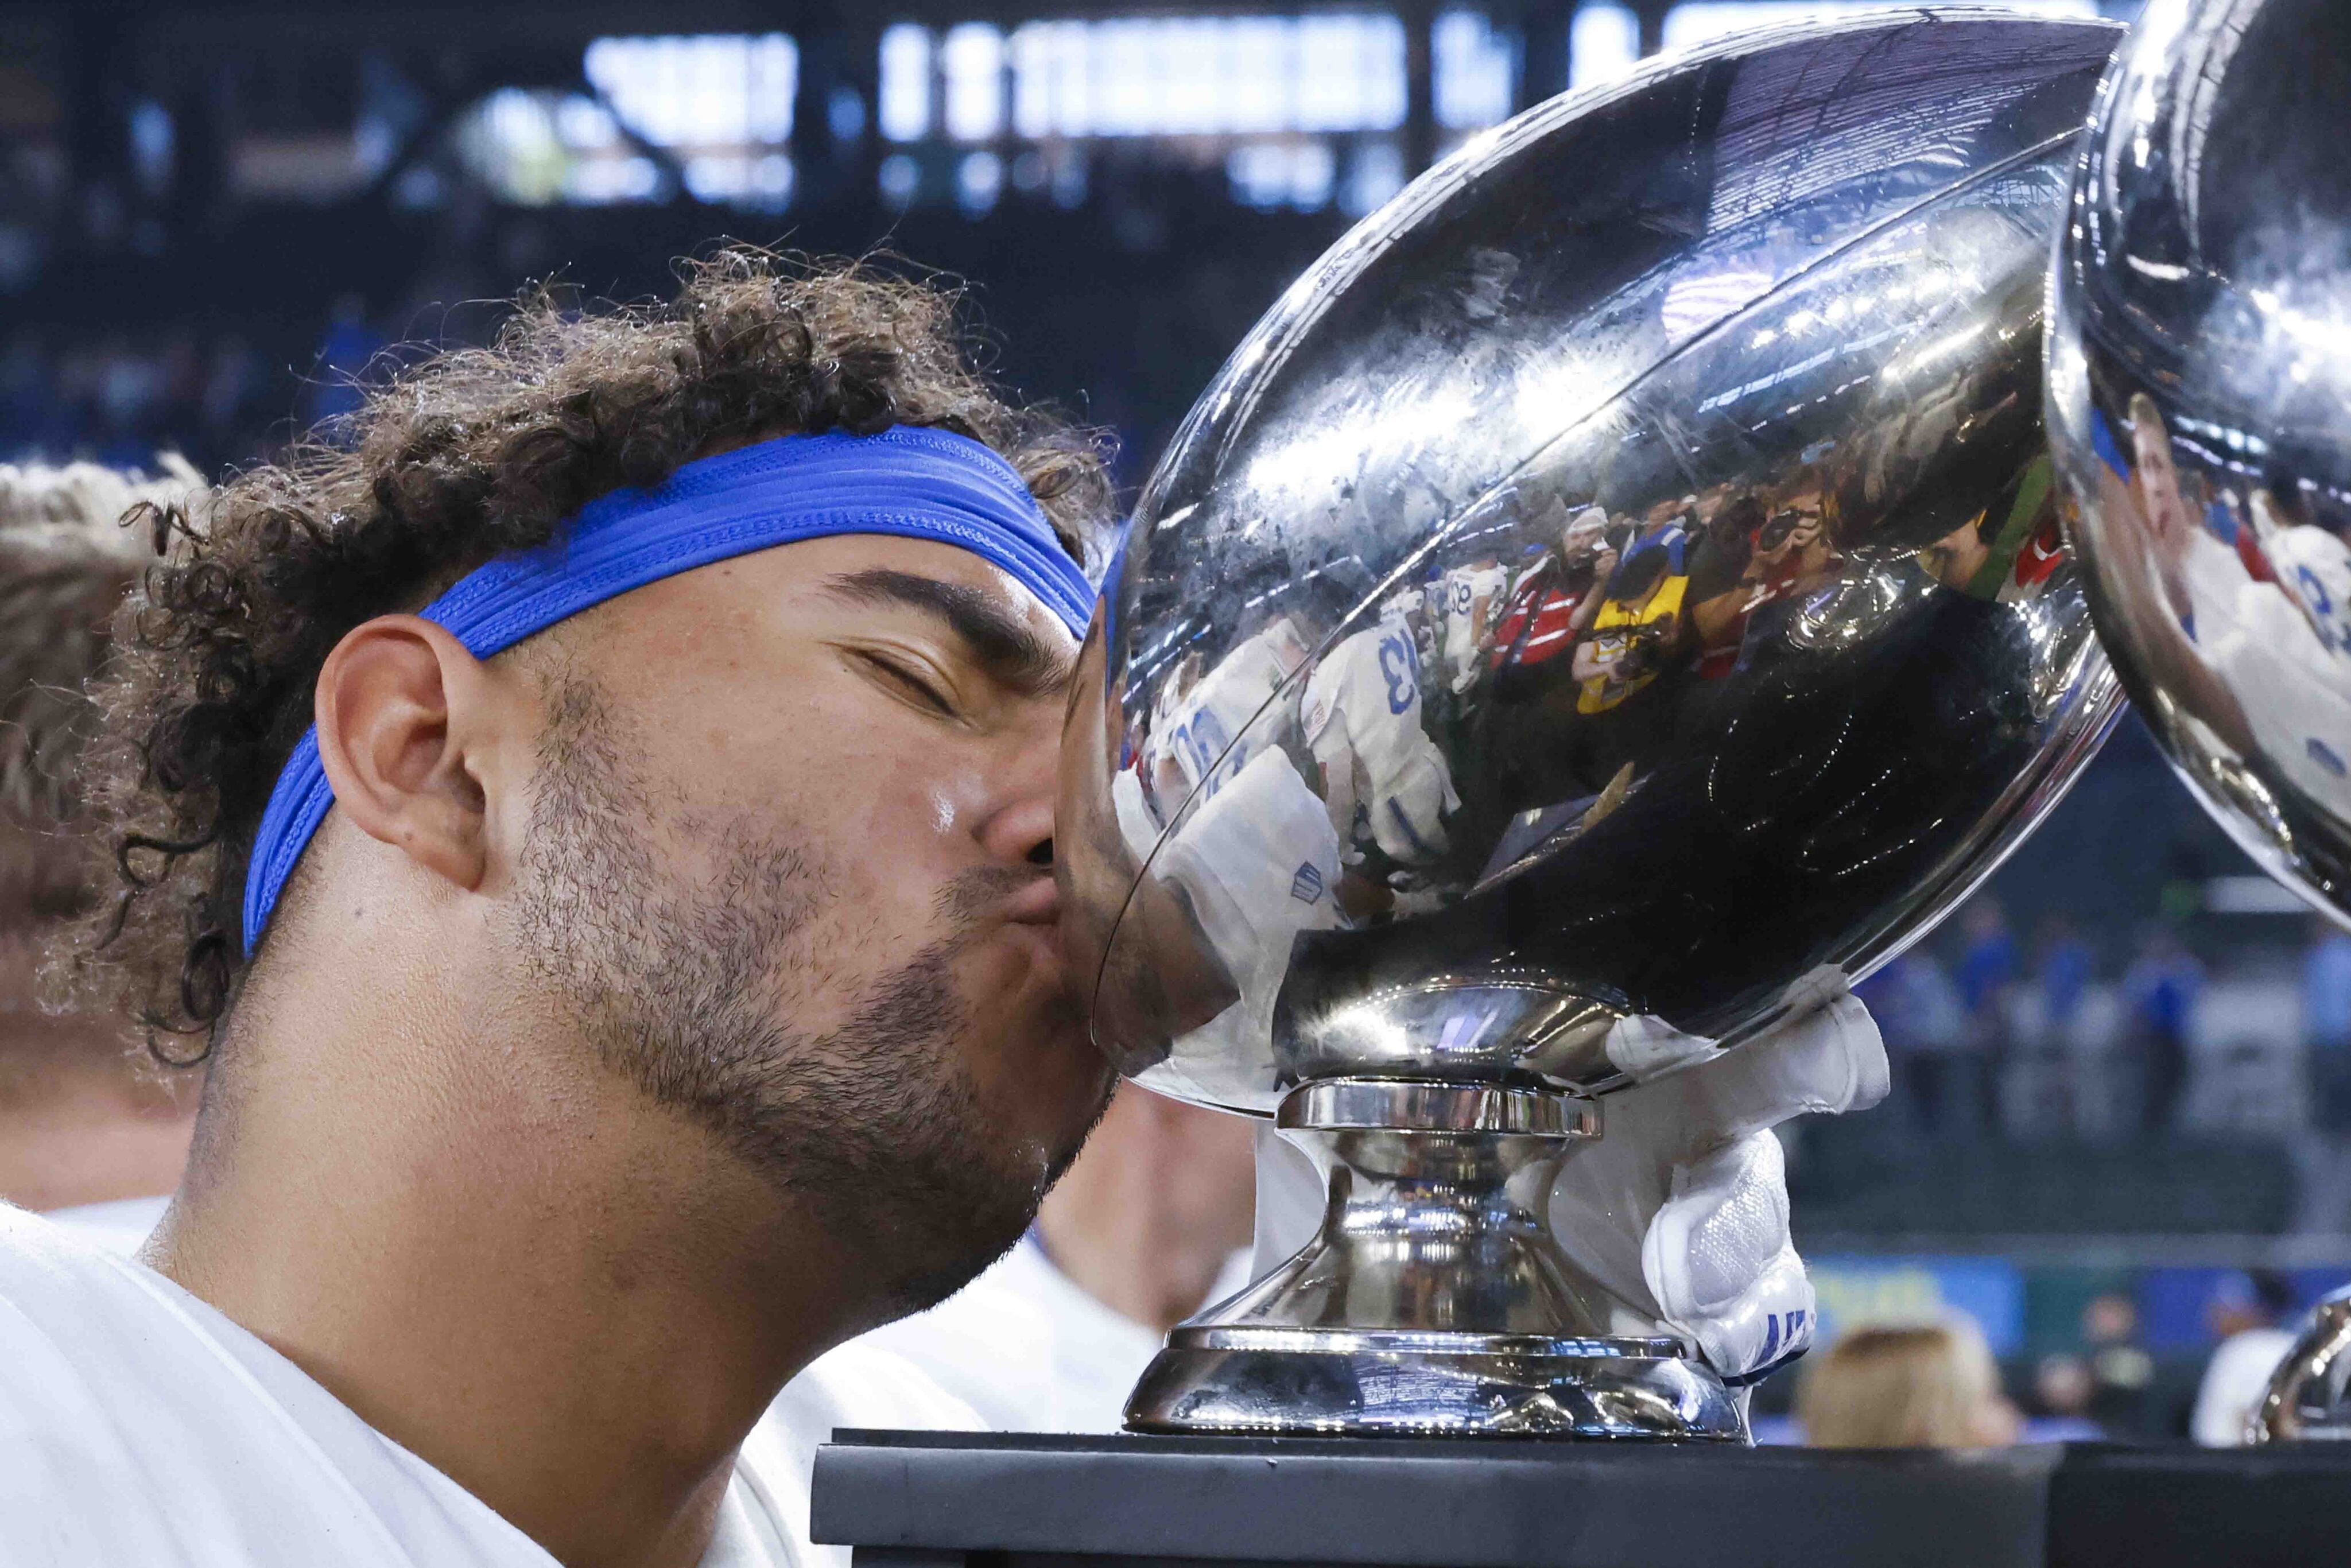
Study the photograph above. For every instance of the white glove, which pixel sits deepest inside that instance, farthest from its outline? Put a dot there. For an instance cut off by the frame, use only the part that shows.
(1680, 1210)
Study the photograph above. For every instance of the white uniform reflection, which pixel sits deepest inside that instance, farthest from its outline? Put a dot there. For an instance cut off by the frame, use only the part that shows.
(2283, 646)
(1200, 730)
(1259, 863)
(1256, 857)
(1380, 771)
(2261, 608)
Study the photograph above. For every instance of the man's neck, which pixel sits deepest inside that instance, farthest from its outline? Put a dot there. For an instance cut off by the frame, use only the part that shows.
(568, 1302)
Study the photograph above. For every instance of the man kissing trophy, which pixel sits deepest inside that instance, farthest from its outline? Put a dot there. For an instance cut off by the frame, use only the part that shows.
(1760, 333)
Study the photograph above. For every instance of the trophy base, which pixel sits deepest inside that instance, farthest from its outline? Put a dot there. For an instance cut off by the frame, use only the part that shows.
(999, 1500)
(1434, 1301)
(1294, 1382)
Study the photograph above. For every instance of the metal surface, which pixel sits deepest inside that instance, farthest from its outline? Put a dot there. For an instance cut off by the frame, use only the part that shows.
(1436, 1221)
(2309, 1396)
(1616, 585)
(2198, 379)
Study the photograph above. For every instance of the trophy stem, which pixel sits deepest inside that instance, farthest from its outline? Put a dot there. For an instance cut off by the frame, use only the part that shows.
(1435, 1299)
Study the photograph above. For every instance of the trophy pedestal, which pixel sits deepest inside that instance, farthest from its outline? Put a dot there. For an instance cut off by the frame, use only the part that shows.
(1435, 1301)
(938, 1500)
(1398, 1382)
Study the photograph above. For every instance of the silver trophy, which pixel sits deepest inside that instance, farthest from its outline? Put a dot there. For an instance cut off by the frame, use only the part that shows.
(2200, 407)
(1615, 593)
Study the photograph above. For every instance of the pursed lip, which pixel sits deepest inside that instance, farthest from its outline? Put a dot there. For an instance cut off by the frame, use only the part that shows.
(1038, 904)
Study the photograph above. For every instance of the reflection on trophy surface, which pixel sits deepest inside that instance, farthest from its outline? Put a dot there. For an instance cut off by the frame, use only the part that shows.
(2198, 385)
(1614, 597)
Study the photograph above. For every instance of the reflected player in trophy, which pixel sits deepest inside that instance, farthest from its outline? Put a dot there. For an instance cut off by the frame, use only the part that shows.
(1200, 729)
(1383, 776)
(1471, 596)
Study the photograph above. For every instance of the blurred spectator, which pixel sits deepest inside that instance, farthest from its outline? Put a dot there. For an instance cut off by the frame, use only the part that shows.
(1931, 1386)
(2064, 969)
(2245, 1316)
(2121, 1371)
(121, 399)
(1919, 1013)
(2327, 1023)
(349, 345)
(1987, 962)
(2161, 989)
(2062, 1391)
(84, 1122)
(1987, 978)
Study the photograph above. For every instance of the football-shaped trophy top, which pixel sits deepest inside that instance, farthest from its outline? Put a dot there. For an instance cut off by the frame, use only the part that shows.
(1617, 588)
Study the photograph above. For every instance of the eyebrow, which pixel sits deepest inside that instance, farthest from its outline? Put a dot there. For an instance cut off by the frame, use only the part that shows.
(1004, 646)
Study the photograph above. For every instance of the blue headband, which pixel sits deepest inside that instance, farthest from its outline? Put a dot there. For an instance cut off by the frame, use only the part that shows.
(912, 482)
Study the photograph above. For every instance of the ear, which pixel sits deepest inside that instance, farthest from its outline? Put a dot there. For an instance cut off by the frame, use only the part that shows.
(399, 702)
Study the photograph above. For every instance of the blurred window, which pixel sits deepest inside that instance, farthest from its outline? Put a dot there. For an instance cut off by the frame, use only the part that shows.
(1475, 67)
(971, 58)
(905, 107)
(711, 90)
(1603, 42)
(1702, 22)
(1271, 174)
(1376, 174)
(719, 105)
(538, 148)
(980, 179)
(1181, 76)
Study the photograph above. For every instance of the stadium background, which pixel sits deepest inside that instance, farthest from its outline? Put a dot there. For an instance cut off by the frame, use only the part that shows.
(216, 217)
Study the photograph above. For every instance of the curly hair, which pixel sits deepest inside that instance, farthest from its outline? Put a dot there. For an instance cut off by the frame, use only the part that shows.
(451, 461)
(65, 567)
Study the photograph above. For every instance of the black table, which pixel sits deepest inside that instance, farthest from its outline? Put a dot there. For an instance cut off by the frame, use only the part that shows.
(938, 1500)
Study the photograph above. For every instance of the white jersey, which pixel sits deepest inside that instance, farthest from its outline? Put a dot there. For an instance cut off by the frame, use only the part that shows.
(1464, 586)
(1029, 1350)
(139, 1425)
(1259, 862)
(120, 1227)
(1369, 686)
(2316, 569)
(2294, 693)
(2235, 1382)
(1201, 730)
(1138, 824)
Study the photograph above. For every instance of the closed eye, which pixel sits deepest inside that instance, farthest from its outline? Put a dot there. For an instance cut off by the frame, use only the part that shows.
(908, 683)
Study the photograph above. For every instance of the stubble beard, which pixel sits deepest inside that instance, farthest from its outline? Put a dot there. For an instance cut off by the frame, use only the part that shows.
(686, 988)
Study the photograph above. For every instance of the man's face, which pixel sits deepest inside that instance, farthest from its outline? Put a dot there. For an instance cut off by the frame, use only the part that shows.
(789, 866)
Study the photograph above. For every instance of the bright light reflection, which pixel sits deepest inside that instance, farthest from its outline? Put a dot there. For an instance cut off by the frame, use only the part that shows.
(1603, 43)
(905, 107)
(1702, 22)
(1211, 76)
(971, 58)
(716, 89)
(1473, 65)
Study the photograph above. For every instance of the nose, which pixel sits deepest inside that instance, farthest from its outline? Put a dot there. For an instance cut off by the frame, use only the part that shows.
(1019, 831)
